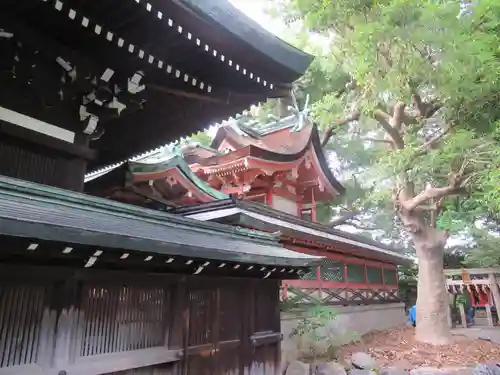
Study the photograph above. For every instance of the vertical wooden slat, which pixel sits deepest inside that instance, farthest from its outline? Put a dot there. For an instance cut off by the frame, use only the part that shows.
(24, 326)
(110, 325)
(4, 296)
(7, 333)
(179, 321)
(136, 296)
(122, 318)
(89, 314)
(104, 320)
(29, 354)
(127, 328)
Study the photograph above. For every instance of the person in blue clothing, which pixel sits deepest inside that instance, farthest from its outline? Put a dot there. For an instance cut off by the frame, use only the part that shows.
(413, 315)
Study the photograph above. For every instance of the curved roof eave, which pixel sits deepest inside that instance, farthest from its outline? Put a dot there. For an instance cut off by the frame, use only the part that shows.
(178, 162)
(314, 141)
(249, 31)
(325, 168)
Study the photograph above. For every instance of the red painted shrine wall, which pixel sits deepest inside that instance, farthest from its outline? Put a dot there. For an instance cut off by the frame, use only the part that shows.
(340, 271)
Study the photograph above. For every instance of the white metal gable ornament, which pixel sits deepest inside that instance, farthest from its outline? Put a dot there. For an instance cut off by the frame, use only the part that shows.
(302, 115)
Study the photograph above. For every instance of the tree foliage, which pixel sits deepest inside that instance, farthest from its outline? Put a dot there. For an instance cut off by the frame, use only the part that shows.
(441, 61)
(414, 122)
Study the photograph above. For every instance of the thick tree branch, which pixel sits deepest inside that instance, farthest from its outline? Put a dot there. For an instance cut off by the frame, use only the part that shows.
(376, 140)
(425, 110)
(343, 218)
(386, 121)
(331, 129)
(397, 116)
(358, 226)
(431, 143)
(427, 194)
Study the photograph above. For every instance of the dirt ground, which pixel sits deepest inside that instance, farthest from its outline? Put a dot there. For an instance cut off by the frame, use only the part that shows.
(397, 347)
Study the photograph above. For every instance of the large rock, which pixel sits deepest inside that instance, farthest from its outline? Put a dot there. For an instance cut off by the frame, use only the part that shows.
(331, 368)
(297, 368)
(363, 361)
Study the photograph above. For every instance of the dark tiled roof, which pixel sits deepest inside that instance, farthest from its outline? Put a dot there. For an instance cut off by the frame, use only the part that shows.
(262, 209)
(41, 212)
(253, 36)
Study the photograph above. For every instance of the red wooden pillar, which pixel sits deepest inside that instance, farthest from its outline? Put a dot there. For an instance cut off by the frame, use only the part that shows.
(284, 290)
(313, 207)
(269, 197)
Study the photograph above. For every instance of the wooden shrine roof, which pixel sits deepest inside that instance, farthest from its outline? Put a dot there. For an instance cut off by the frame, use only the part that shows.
(262, 217)
(278, 142)
(162, 176)
(201, 61)
(38, 212)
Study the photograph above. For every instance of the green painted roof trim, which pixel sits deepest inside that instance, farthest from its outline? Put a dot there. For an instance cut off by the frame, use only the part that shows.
(177, 161)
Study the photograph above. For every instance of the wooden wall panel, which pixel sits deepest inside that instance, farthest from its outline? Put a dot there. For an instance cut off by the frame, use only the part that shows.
(90, 322)
(119, 318)
(21, 313)
(39, 164)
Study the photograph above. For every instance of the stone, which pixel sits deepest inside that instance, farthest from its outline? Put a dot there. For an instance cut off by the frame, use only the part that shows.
(402, 364)
(297, 368)
(443, 371)
(394, 370)
(358, 371)
(487, 369)
(363, 361)
(426, 370)
(332, 368)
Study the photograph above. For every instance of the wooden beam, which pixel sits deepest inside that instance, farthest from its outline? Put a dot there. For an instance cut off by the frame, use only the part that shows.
(116, 362)
(472, 282)
(103, 364)
(471, 271)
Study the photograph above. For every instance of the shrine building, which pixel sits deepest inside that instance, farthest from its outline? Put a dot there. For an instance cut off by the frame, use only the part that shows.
(268, 178)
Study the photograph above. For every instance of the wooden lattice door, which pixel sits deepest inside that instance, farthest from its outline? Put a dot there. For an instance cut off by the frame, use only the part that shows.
(265, 329)
(200, 345)
(229, 329)
(214, 329)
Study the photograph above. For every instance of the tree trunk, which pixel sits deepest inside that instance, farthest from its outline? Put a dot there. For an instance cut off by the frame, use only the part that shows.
(432, 299)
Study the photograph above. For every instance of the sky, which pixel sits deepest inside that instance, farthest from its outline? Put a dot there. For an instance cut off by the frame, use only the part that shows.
(255, 10)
